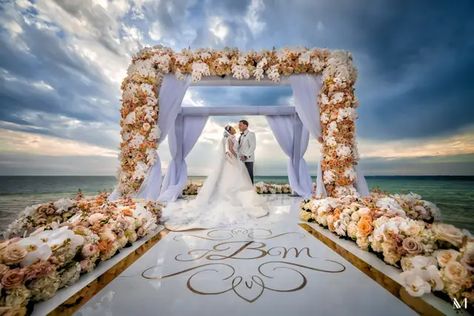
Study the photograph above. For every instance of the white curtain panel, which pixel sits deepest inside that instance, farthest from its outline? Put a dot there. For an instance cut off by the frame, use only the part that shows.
(293, 139)
(306, 90)
(171, 95)
(182, 139)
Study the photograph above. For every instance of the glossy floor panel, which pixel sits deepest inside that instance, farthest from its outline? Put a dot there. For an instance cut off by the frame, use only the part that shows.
(267, 267)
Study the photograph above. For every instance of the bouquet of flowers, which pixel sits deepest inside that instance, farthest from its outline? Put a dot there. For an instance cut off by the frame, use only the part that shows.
(404, 231)
(272, 188)
(65, 239)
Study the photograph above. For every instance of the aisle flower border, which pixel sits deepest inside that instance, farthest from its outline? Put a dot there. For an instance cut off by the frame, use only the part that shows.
(140, 106)
(50, 245)
(404, 231)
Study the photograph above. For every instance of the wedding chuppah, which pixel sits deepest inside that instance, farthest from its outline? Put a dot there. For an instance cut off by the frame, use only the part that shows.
(266, 261)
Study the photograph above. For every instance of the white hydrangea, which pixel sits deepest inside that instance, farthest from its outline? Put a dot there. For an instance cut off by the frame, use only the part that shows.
(258, 73)
(151, 156)
(273, 73)
(317, 65)
(181, 59)
(262, 63)
(343, 151)
(324, 118)
(242, 59)
(305, 58)
(337, 97)
(346, 112)
(329, 176)
(240, 72)
(162, 62)
(148, 110)
(330, 141)
(140, 170)
(223, 60)
(130, 118)
(148, 89)
(346, 190)
(62, 205)
(155, 133)
(324, 99)
(350, 173)
(391, 206)
(136, 141)
(199, 69)
(332, 128)
(143, 68)
(126, 136)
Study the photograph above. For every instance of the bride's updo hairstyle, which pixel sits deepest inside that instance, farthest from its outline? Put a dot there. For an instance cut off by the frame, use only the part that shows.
(227, 130)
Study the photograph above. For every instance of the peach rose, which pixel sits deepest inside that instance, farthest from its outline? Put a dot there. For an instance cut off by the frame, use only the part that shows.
(38, 270)
(448, 233)
(364, 226)
(13, 254)
(13, 278)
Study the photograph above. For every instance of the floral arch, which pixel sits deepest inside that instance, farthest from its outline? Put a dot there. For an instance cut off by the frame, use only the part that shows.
(336, 104)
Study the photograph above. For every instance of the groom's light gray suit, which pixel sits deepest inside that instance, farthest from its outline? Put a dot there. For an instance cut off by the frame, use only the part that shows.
(247, 145)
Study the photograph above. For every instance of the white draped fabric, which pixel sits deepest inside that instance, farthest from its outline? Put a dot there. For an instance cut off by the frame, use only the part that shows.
(181, 140)
(293, 139)
(171, 95)
(306, 90)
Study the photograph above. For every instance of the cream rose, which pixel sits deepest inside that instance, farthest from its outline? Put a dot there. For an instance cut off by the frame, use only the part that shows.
(445, 255)
(448, 233)
(456, 272)
(13, 254)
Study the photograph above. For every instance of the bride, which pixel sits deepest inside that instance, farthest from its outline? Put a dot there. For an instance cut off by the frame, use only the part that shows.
(227, 196)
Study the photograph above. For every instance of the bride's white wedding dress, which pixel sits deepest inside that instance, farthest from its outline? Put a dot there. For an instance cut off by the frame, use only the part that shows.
(227, 196)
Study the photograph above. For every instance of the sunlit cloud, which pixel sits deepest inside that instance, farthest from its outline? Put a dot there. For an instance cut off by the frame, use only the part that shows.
(35, 144)
(458, 144)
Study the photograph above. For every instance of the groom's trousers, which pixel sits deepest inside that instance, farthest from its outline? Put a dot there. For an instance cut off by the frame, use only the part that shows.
(249, 166)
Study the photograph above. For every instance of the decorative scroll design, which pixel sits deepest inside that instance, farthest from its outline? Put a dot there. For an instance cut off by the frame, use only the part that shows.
(248, 290)
(215, 274)
(227, 234)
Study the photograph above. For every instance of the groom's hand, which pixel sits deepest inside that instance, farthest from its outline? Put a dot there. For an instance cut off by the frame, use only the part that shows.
(243, 158)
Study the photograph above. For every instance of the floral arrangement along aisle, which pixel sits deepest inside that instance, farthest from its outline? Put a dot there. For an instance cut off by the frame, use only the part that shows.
(65, 239)
(260, 187)
(402, 229)
(140, 107)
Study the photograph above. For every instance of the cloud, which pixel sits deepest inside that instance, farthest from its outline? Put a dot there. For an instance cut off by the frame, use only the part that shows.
(62, 62)
(34, 144)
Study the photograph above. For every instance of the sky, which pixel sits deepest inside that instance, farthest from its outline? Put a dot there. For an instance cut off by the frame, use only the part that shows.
(62, 62)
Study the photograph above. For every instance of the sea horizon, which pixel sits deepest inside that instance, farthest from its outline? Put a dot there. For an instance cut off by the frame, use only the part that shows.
(452, 193)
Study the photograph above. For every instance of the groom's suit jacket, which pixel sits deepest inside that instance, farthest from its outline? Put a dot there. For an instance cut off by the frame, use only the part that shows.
(247, 145)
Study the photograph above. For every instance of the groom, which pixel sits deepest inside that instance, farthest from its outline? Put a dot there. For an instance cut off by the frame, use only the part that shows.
(247, 145)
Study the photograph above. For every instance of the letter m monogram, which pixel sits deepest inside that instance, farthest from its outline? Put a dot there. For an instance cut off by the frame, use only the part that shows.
(459, 304)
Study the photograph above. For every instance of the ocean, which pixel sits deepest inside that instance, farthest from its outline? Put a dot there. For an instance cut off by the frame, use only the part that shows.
(454, 195)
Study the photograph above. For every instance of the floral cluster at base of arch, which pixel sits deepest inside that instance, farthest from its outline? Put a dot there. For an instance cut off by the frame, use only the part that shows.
(140, 107)
(404, 231)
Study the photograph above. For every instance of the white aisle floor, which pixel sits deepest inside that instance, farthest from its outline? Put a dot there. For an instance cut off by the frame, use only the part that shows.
(267, 267)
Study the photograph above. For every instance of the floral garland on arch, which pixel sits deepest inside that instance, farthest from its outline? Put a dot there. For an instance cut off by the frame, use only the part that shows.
(140, 108)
